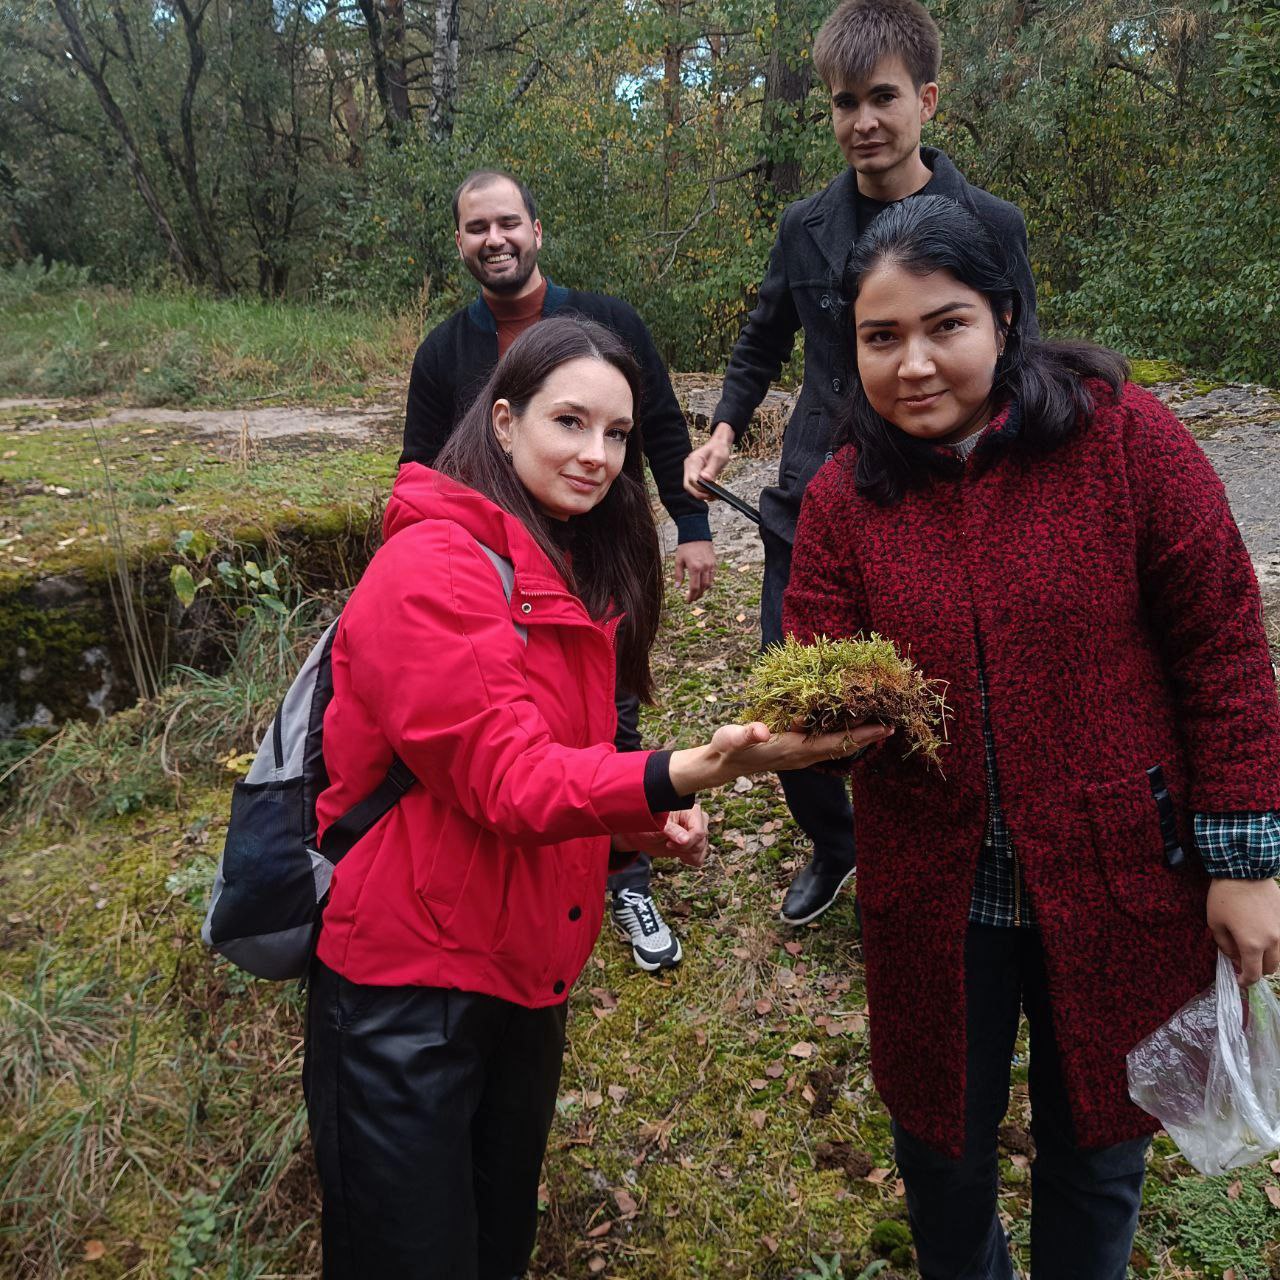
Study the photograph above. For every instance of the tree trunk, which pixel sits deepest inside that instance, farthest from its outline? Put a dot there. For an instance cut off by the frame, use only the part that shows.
(191, 165)
(115, 117)
(347, 110)
(786, 88)
(444, 69)
(373, 26)
(672, 56)
(397, 78)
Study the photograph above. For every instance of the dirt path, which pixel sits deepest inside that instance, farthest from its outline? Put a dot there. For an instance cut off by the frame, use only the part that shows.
(1237, 426)
(273, 422)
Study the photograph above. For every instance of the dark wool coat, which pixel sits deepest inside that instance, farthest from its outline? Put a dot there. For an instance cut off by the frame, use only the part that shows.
(802, 289)
(1120, 627)
(459, 354)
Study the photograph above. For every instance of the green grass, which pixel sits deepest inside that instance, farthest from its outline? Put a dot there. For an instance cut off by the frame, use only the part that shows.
(73, 490)
(151, 1106)
(182, 348)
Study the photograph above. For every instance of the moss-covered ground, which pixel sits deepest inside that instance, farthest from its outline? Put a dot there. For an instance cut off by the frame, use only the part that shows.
(714, 1121)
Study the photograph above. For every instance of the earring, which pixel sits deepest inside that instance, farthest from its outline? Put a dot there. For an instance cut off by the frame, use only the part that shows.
(506, 453)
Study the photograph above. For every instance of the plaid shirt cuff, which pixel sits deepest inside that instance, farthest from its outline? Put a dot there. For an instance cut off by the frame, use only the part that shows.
(1239, 846)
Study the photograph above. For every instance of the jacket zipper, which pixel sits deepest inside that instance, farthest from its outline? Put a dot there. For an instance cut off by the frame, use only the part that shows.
(1017, 891)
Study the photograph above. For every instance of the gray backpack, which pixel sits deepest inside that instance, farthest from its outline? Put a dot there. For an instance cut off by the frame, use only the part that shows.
(273, 876)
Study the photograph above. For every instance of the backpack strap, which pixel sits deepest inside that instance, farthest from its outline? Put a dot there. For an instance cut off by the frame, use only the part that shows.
(341, 834)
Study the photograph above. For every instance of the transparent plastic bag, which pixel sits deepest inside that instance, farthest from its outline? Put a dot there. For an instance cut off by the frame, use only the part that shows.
(1211, 1074)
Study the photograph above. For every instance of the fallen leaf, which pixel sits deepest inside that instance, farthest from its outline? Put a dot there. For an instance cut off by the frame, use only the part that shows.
(93, 1250)
(617, 1092)
(742, 784)
(626, 1203)
(600, 1229)
(758, 1084)
(769, 1243)
(1020, 1162)
(793, 948)
(1273, 1194)
(758, 1118)
(596, 1264)
(808, 1095)
(801, 1050)
(878, 1176)
(764, 1006)
(1275, 1166)
(592, 1098)
(774, 1070)
(1233, 1191)
(899, 1188)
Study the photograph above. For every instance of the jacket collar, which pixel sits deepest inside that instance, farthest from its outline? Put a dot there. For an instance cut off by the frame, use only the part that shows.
(832, 219)
(1002, 431)
(479, 314)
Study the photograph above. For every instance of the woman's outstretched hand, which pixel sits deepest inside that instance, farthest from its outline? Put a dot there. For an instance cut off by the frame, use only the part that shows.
(1244, 918)
(739, 749)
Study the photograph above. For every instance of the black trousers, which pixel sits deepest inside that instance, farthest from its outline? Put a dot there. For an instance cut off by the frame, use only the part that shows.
(429, 1113)
(819, 802)
(1084, 1203)
(638, 873)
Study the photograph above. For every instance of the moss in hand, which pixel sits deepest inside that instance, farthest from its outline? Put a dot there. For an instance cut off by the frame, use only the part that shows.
(834, 684)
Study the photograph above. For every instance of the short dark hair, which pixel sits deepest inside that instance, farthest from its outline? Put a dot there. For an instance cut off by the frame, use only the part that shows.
(610, 557)
(1046, 380)
(485, 178)
(860, 33)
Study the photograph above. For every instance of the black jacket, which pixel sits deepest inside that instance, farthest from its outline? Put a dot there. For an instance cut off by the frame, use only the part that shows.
(802, 289)
(459, 354)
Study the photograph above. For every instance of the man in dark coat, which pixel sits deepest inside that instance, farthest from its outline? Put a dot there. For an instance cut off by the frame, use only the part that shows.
(498, 236)
(879, 59)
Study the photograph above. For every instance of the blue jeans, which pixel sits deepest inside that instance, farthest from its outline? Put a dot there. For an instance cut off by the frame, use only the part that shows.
(819, 802)
(1084, 1203)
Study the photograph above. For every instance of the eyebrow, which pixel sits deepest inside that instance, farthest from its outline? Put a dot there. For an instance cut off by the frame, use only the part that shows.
(887, 87)
(931, 315)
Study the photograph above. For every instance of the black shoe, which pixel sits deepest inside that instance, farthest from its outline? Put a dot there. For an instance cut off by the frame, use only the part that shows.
(812, 891)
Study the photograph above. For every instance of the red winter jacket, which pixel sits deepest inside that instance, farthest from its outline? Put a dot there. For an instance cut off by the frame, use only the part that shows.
(489, 876)
(1120, 627)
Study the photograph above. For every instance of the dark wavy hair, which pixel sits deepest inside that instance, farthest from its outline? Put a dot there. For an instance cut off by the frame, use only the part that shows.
(1047, 380)
(610, 556)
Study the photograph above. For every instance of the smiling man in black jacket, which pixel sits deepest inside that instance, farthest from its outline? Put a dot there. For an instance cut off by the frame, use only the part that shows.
(879, 59)
(498, 237)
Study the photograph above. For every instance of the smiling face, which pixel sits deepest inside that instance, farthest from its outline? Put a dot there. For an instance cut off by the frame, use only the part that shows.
(927, 348)
(497, 240)
(570, 443)
(877, 123)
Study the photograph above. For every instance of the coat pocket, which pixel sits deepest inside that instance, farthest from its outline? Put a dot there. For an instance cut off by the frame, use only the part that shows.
(1130, 844)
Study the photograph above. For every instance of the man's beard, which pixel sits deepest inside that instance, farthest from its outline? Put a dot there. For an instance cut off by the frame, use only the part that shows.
(506, 283)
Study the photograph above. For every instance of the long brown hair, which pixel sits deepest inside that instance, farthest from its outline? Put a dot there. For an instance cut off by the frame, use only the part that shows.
(609, 557)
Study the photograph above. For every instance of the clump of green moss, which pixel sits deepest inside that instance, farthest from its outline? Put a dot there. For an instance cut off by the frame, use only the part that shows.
(831, 685)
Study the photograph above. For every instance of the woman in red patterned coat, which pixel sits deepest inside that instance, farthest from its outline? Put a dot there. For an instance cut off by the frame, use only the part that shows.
(1050, 541)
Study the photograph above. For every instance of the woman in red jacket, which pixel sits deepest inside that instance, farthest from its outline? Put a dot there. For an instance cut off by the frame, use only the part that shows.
(1049, 540)
(454, 929)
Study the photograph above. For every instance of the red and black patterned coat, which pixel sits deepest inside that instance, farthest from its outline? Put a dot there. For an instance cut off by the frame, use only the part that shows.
(1121, 627)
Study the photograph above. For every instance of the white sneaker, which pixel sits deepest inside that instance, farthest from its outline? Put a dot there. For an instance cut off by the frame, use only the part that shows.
(638, 921)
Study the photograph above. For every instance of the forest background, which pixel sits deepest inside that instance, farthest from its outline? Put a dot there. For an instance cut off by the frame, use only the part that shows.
(307, 150)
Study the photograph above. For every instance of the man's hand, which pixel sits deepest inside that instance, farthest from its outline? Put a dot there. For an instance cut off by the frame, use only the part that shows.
(1244, 918)
(697, 562)
(684, 837)
(708, 460)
